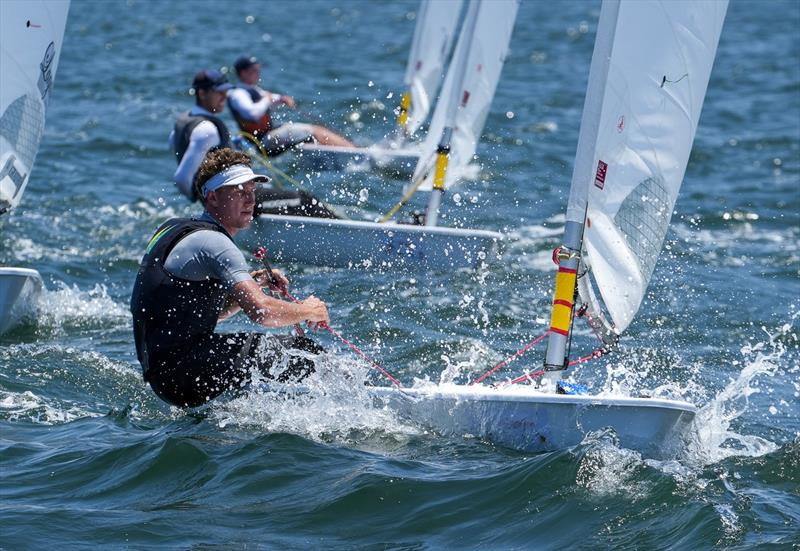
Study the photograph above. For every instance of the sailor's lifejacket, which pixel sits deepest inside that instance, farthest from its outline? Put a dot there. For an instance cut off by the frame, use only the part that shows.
(170, 312)
(187, 122)
(258, 128)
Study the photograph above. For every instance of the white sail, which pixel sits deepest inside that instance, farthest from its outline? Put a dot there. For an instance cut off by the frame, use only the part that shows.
(31, 34)
(469, 86)
(649, 102)
(433, 38)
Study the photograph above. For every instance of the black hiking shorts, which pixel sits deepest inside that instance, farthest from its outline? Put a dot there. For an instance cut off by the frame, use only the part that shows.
(192, 375)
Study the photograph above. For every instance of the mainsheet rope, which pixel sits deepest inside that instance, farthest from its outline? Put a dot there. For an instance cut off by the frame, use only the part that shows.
(260, 253)
(263, 158)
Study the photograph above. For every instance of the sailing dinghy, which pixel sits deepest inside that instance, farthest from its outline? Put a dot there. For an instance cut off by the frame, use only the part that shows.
(456, 125)
(437, 21)
(650, 69)
(31, 34)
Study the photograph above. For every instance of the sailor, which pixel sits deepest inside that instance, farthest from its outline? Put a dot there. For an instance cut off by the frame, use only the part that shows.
(192, 276)
(199, 130)
(251, 106)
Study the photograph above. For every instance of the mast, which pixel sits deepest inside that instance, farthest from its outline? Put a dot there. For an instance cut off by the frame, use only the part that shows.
(443, 149)
(569, 254)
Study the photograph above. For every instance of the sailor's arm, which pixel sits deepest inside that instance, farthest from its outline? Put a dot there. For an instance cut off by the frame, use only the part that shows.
(277, 282)
(243, 104)
(231, 307)
(277, 99)
(273, 312)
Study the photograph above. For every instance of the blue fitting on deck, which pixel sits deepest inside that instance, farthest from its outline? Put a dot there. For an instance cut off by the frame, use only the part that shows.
(571, 388)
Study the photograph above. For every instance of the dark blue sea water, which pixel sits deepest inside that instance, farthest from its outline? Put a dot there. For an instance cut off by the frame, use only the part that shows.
(89, 457)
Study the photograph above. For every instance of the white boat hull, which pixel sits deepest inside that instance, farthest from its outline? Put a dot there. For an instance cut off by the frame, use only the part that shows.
(369, 245)
(20, 289)
(532, 421)
(398, 163)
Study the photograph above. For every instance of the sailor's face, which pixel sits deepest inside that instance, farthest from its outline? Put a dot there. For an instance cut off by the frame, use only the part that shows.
(218, 100)
(235, 204)
(212, 100)
(251, 75)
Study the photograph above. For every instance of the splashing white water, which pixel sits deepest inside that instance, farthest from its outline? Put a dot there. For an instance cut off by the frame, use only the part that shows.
(70, 305)
(332, 405)
(30, 408)
(606, 469)
(714, 439)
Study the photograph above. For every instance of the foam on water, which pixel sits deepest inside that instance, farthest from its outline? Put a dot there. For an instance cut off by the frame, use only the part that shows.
(69, 305)
(606, 470)
(714, 439)
(28, 407)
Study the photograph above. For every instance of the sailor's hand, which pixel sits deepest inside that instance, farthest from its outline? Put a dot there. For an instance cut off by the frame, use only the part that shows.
(288, 101)
(277, 282)
(316, 312)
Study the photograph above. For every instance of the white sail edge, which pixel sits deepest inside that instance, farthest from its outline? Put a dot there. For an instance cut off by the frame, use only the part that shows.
(430, 47)
(653, 92)
(31, 36)
(469, 86)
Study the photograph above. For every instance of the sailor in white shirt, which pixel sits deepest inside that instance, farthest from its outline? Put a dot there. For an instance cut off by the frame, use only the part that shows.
(199, 130)
(251, 108)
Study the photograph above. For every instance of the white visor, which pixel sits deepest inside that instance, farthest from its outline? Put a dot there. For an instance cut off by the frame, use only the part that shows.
(232, 176)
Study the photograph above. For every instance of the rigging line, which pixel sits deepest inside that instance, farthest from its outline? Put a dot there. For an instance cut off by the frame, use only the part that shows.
(260, 253)
(263, 158)
(407, 196)
(595, 354)
(529, 376)
(511, 358)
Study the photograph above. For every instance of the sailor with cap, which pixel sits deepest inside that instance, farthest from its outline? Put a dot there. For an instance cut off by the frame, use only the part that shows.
(192, 276)
(251, 107)
(199, 130)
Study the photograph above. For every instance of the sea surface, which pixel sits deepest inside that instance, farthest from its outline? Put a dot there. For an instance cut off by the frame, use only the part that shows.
(90, 458)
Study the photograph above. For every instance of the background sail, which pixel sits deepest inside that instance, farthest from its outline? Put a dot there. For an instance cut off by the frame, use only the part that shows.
(433, 39)
(468, 89)
(661, 58)
(31, 34)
